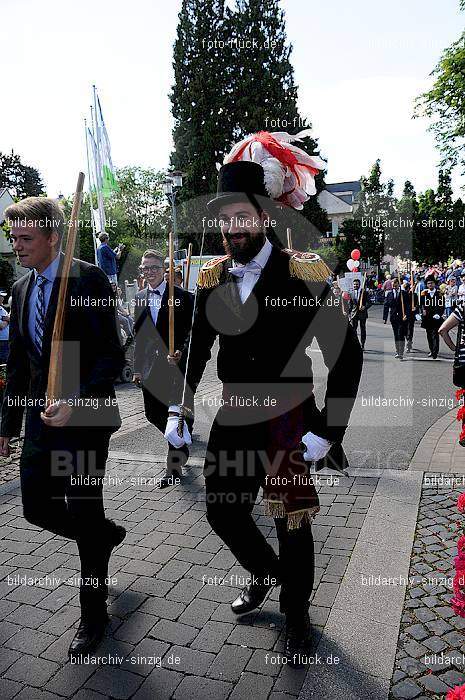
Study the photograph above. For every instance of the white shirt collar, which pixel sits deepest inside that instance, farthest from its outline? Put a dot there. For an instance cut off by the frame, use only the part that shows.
(262, 256)
(161, 288)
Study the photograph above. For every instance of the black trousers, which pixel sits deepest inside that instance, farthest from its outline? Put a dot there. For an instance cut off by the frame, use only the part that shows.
(410, 328)
(156, 413)
(363, 328)
(433, 340)
(62, 492)
(399, 328)
(233, 475)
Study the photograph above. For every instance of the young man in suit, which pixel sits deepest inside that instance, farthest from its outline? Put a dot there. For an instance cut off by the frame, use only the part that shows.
(397, 307)
(358, 313)
(151, 369)
(68, 440)
(266, 305)
(431, 310)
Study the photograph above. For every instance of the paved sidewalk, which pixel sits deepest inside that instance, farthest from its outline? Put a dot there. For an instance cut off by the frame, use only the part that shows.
(439, 448)
(430, 657)
(166, 606)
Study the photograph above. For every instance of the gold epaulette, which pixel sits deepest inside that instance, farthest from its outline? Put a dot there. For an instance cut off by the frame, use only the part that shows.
(308, 266)
(210, 273)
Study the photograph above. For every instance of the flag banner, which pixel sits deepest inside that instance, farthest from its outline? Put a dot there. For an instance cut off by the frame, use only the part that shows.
(108, 179)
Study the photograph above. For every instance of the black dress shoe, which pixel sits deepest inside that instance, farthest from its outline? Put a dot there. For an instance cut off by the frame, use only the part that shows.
(168, 479)
(249, 598)
(297, 641)
(88, 635)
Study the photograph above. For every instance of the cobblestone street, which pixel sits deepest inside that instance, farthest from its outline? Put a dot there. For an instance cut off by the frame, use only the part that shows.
(430, 657)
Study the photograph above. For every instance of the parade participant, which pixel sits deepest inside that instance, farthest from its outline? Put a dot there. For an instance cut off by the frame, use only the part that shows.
(450, 296)
(268, 407)
(107, 257)
(411, 316)
(358, 310)
(397, 309)
(4, 329)
(151, 369)
(431, 310)
(461, 289)
(65, 448)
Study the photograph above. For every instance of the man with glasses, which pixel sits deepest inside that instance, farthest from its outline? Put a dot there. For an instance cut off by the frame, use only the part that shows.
(152, 371)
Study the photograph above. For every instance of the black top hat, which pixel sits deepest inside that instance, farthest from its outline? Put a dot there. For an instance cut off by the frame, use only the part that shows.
(239, 181)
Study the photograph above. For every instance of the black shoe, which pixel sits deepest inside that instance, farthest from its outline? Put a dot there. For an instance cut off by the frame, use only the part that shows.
(297, 641)
(430, 354)
(168, 479)
(409, 347)
(249, 598)
(396, 355)
(88, 635)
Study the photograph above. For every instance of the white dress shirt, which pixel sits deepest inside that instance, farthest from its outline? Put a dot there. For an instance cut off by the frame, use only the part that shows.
(154, 300)
(248, 275)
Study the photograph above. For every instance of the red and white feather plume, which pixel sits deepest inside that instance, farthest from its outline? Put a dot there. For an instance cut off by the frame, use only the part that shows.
(289, 171)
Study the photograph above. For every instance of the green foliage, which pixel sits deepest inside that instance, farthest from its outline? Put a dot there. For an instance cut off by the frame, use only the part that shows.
(444, 103)
(427, 228)
(21, 180)
(368, 230)
(6, 274)
(233, 76)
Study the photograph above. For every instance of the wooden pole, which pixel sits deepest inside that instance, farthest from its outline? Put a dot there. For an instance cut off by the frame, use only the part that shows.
(360, 304)
(342, 298)
(404, 317)
(171, 296)
(55, 375)
(188, 266)
(289, 239)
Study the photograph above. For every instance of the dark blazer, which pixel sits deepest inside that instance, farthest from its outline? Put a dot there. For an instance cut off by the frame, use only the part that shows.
(393, 307)
(263, 342)
(431, 306)
(151, 346)
(354, 312)
(92, 356)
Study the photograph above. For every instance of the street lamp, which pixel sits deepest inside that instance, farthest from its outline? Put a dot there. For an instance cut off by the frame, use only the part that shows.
(171, 185)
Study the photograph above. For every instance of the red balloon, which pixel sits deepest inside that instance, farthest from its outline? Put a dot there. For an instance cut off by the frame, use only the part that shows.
(355, 254)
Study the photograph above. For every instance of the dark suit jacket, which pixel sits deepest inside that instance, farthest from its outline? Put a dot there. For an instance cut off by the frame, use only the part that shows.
(366, 303)
(151, 346)
(262, 343)
(92, 357)
(431, 306)
(393, 308)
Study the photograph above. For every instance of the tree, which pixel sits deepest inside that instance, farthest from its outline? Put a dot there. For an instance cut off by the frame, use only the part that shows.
(21, 180)
(370, 229)
(444, 103)
(140, 202)
(233, 76)
(263, 94)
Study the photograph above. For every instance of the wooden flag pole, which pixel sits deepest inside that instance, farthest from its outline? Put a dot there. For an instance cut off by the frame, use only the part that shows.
(188, 266)
(55, 378)
(404, 317)
(289, 239)
(363, 291)
(342, 300)
(171, 296)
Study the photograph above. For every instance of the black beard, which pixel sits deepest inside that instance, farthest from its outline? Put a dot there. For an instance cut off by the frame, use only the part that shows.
(245, 255)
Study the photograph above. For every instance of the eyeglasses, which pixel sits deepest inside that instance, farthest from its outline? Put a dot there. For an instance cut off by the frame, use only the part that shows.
(150, 268)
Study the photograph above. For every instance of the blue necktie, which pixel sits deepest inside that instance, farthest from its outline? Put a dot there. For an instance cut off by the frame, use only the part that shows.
(40, 313)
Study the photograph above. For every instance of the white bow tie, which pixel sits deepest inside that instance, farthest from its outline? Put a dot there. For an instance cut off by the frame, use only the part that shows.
(251, 266)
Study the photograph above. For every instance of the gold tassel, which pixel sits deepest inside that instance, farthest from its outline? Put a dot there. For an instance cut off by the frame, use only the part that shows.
(209, 275)
(312, 269)
(275, 509)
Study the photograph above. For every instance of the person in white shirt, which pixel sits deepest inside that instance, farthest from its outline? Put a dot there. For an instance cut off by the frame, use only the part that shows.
(4, 330)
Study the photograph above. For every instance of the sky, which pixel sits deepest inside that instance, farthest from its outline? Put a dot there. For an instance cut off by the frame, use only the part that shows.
(359, 66)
